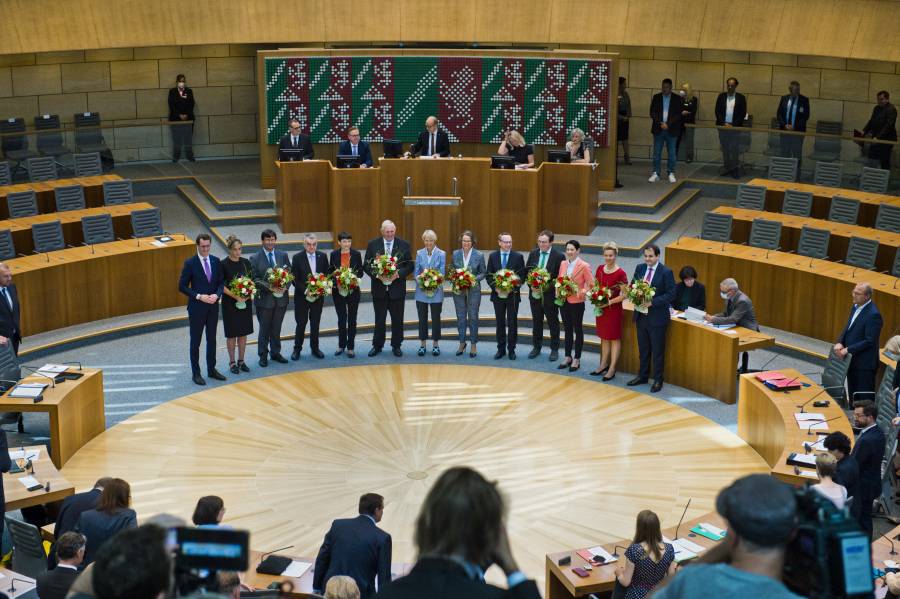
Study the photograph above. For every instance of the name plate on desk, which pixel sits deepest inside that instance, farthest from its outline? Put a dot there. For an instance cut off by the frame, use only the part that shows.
(431, 201)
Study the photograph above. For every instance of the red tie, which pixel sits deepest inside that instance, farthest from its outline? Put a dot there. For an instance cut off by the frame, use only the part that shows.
(648, 276)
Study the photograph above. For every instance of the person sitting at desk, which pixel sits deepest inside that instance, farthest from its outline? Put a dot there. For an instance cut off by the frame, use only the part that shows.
(647, 560)
(294, 140)
(738, 312)
(689, 293)
(513, 144)
(432, 142)
(354, 146)
(578, 150)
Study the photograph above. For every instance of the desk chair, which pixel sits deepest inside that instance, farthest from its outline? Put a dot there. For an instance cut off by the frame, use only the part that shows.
(783, 169)
(48, 237)
(895, 268)
(98, 228)
(813, 243)
(14, 142)
(7, 247)
(10, 371)
(69, 197)
(88, 165)
(798, 203)
(147, 222)
(5, 174)
(861, 253)
(888, 218)
(716, 227)
(22, 203)
(751, 197)
(50, 141)
(828, 174)
(117, 192)
(827, 149)
(42, 168)
(765, 234)
(834, 375)
(843, 210)
(28, 557)
(874, 180)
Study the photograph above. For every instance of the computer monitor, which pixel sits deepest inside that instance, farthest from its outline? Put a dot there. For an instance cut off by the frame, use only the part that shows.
(393, 148)
(290, 154)
(347, 161)
(507, 162)
(559, 156)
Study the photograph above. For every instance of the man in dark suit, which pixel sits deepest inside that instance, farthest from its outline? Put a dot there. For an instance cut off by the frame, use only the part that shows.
(354, 146)
(388, 295)
(270, 310)
(433, 141)
(5, 465)
(545, 256)
(181, 110)
(506, 309)
(294, 140)
(838, 445)
(55, 583)
(308, 262)
(860, 339)
(792, 114)
(10, 314)
(665, 114)
(652, 326)
(202, 281)
(731, 110)
(738, 312)
(357, 548)
(72, 508)
(868, 451)
(882, 125)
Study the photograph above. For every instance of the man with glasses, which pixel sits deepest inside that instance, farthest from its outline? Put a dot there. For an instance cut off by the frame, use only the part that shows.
(354, 146)
(294, 145)
(433, 142)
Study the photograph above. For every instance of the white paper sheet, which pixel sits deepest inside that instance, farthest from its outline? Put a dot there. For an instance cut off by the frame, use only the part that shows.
(297, 569)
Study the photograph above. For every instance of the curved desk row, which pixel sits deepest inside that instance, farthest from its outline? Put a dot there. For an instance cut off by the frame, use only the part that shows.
(45, 191)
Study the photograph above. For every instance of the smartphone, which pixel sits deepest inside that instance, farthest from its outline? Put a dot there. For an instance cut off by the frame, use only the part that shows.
(581, 572)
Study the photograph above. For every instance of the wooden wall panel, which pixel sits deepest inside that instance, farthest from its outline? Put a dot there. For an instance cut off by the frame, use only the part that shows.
(579, 22)
(522, 21)
(358, 20)
(752, 30)
(829, 29)
(656, 22)
(438, 20)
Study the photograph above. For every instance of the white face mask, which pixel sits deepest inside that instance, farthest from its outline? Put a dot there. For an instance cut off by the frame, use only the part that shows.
(181, 85)
(724, 295)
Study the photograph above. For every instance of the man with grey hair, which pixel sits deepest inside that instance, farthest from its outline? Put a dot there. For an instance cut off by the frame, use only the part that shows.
(738, 312)
(388, 293)
(860, 340)
(307, 264)
(432, 142)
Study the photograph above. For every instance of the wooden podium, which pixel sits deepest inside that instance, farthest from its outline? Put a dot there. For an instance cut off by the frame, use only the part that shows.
(302, 195)
(441, 214)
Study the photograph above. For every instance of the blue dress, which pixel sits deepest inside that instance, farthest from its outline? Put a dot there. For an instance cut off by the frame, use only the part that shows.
(647, 573)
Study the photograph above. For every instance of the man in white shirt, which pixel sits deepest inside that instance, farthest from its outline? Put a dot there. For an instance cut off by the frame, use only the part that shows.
(731, 110)
(309, 262)
(55, 584)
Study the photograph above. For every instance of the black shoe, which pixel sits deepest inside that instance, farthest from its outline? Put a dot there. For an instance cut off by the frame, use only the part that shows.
(215, 374)
(351, 353)
(512, 354)
(199, 380)
(234, 368)
(435, 351)
(606, 379)
(554, 355)
(279, 358)
(263, 362)
(295, 355)
(636, 381)
(243, 366)
(374, 352)
(599, 372)
(397, 352)
(339, 351)
(655, 388)
(574, 368)
(534, 353)
(421, 351)
(461, 350)
(318, 353)
(500, 353)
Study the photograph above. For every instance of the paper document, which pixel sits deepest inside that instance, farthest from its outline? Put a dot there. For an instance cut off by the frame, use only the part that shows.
(30, 454)
(812, 425)
(809, 474)
(27, 390)
(685, 544)
(889, 563)
(817, 446)
(712, 528)
(724, 327)
(682, 552)
(805, 459)
(809, 416)
(694, 315)
(51, 369)
(606, 555)
(297, 569)
(728, 332)
(158, 244)
(29, 481)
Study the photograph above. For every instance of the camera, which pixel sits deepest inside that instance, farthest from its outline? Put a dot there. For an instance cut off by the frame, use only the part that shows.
(200, 552)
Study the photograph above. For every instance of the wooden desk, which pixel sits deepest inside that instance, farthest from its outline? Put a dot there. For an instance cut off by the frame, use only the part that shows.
(302, 195)
(75, 408)
(71, 224)
(791, 227)
(83, 284)
(45, 192)
(789, 292)
(868, 202)
(24, 586)
(766, 422)
(698, 357)
(17, 496)
(569, 197)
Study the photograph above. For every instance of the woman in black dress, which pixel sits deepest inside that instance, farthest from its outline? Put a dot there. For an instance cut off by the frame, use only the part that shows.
(514, 145)
(238, 322)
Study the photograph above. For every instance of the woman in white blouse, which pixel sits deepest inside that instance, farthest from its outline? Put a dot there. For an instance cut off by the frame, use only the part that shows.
(826, 466)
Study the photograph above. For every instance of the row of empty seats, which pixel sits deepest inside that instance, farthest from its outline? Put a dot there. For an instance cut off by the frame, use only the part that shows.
(829, 174)
(50, 140)
(45, 168)
(69, 197)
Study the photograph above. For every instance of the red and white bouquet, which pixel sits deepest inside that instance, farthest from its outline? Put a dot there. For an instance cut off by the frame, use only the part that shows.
(430, 280)
(244, 288)
(278, 278)
(640, 293)
(566, 287)
(317, 286)
(599, 296)
(461, 280)
(538, 280)
(346, 280)
(505, 281)
(384, 267)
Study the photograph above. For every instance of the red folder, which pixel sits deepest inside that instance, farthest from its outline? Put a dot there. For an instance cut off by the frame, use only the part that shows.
(769, 375)
(588, 557)
(784, 384)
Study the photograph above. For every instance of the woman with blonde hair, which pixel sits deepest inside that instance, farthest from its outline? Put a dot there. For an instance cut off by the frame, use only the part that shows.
(237, 321)
(513, 144)
(826, 466)
(609, 324)
(341, 587)
(429, 257)
(690, 105)
(578, 151)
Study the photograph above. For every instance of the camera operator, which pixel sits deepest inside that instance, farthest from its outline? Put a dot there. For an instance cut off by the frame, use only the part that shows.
(748, 562)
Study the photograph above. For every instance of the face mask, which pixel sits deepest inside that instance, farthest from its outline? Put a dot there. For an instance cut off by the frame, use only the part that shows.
(724, 295)
(181, 85)
(682, 93)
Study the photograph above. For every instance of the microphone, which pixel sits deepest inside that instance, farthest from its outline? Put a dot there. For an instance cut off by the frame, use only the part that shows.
(763, 369)
(682, 517)
(616, 550)
(73, 363)
(265, 555)
(35, 371)
(891, 542)
(12, 584)
(809, 430)
(802, 406)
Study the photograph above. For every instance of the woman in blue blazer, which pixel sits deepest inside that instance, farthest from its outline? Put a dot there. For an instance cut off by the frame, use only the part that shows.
(467, 304)
(429, 257)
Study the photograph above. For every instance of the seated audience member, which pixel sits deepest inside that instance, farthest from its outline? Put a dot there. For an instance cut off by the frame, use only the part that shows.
(134, 564)
(341, 587)
(892, 582)
(209, 512)
(55, 583)
(647, 560)
(460, 531)
(846, 473)
(111, 515)
(738, 312)
(689, 292)
(761, 514)
(578, 150)
(826, 467)
(513, 144)
(228, 584)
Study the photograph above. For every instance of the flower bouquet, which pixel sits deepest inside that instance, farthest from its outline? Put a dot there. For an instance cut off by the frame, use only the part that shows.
(640, 293)
(599, 297)
(244, 288)
(278, 278)
(384, 267)
(430, 280)
(565, 288)
(505, 281)
(346, 280)
(461, 280)
(538, 280)
(317, 286)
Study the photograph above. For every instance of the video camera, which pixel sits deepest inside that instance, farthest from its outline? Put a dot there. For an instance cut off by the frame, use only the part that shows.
(201, 552)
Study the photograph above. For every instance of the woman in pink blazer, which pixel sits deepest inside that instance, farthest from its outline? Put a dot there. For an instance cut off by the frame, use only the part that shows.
(573, 310)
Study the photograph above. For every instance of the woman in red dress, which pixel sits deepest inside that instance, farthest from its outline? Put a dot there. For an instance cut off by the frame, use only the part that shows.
(609, 324)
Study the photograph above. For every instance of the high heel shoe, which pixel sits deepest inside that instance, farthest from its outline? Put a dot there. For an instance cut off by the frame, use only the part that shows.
(598, 372)
(234, 367)
(461, 350)
(575, 366)
(474, 352)
(243, 366)
(609, 378)
(564, 365)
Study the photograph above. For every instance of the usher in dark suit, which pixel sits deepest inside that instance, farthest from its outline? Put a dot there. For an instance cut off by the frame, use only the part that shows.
(730, 140)
(868, 451)
(10, 317)
(442, 578)
(652, 326)
(357, 548)
(346, 307)
(506, 310)
(202, 316)
(794, 112)
(300, 143)
(861, 341)
(389, 297)
(545, 308)
(441, 144)
(303, 310)
(345, 148)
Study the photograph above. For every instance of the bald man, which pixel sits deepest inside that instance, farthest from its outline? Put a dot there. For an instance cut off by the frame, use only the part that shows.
(10, 331)
(860, 339)
(433, 142)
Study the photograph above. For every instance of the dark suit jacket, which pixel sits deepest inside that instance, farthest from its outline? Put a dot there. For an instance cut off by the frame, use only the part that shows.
(356, 265)
(440, 578)
(55, 583)
(72, 508)
(739, 312)
(441, 143)
(697, 296)
(799, 119)
(514, 262)
(357, 548)
(365, 152)
(405, 265)
(303, 143)
(883, 122)
(553, 261)
(869, 451)
(861, 340)
(10, 319)
(674, 120)
(301, 271)
(179, 105)
(193, 281)
(848, 475)
(5, 464)
(740, 109)
(259, 264)
(664, 282)
(99, 527)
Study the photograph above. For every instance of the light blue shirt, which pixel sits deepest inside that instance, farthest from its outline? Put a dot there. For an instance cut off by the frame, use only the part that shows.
(792, 109)
(665, 99)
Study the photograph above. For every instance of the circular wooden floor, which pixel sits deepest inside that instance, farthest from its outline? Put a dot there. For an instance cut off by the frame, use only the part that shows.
(289, 453)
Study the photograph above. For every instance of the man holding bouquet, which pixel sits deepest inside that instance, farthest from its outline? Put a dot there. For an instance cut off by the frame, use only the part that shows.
(651, 317)
(544, 258)
(505, 275)
(388, 262)
(270, 310)
(308, 306)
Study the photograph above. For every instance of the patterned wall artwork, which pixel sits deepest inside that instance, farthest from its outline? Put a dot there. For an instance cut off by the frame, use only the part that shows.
(389, 97)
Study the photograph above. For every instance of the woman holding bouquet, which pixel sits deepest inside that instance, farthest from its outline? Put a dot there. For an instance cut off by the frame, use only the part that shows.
(343, 263)
(573, 270)
(238, 322)
(467, 300)
(609, 324)
(429, 274)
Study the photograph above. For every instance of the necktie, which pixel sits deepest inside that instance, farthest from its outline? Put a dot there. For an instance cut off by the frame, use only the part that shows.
(312, 263)
(353, 150)
(387, 247)
(7, 297)
(293, 141)
(649, 274)
(431, 145)
(271, 259)
(503, 257)
(793, 112)
(543, 263)
(207, 270)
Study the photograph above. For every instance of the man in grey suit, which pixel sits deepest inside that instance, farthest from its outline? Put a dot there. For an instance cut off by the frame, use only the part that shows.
(738, 311)
(270, 310)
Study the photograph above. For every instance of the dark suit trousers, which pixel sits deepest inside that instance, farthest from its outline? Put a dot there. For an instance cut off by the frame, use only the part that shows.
(881, 153)
(382, 306)
(346, 308)
(573, 315)
(730, 143)
(422, 309)
(182, 135)
(540, 309)
(310, 312)
(651, 343)
(270, 319)
(867, 496)
(506, 311)
(204, 320)
(861, 380)
(792, 147)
